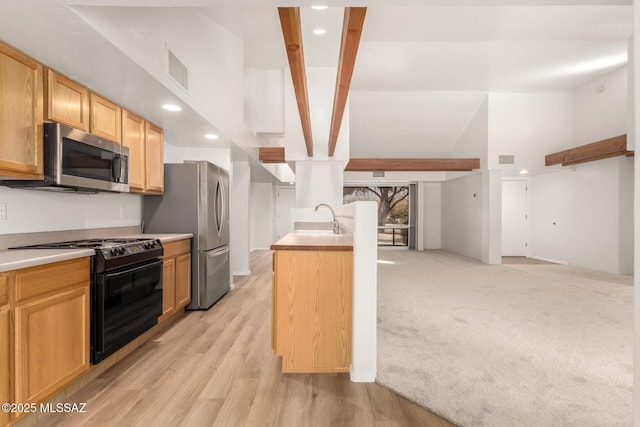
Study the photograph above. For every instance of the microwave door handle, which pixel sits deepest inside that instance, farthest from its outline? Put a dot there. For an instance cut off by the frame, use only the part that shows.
(116, 168)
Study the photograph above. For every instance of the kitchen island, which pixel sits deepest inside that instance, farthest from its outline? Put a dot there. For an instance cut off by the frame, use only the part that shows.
(312, 291)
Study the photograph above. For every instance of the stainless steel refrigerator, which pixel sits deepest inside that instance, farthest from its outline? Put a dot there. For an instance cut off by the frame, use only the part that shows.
(196, 200)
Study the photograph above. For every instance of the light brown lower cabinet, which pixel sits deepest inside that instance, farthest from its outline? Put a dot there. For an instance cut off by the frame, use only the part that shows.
(5, 355)
(312, 310)
(44, 330)
(176, 277)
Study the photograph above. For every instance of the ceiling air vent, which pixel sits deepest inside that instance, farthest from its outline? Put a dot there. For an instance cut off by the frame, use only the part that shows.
(177, 70)
(506, 160)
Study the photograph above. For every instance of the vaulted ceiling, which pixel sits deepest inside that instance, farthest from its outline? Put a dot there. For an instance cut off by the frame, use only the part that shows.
(423, 66)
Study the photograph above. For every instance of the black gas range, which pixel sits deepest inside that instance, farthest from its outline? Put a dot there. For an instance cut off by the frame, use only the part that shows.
(126, 289)
(111, 253)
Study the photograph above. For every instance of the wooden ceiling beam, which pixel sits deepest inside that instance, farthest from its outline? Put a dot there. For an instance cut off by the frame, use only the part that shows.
(610, 147)
(351, 32)
(271, 154)
(412, 165)
(292, 34)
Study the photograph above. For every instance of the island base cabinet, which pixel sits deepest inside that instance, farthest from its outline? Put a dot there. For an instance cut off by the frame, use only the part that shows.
(313, 310)
(52, 343)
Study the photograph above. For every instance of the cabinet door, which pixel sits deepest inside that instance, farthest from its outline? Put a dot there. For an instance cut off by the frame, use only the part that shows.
(106, 119)
(5, 345)
(21, 115)
(5, 367)
(168, 288)
(274, 311)
(133, 138)
(183, 280)
(154, 151)
(51, 343)
(314, 300)
(67, 101)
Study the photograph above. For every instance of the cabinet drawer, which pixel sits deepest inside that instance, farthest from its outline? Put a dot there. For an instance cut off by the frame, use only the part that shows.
(4, 289)
(180, 247)
(34, 281)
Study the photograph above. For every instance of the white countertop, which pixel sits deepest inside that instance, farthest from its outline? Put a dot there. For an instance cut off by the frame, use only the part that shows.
(14, 259)
(164, 238)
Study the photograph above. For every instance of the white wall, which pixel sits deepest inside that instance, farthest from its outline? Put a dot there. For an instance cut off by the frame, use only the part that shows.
(261, 215)
(213, 55)
(217, 156)
(598, 116)
(474, 140)
(626, 226)
(31, 211)
(634, 55)
(239, 218)
(462, 215)
(529, 126)
(362, 218)
(432, 215)
(319, 181)
(591, 203)
(492, 217)
(321, 87)
(575, 215)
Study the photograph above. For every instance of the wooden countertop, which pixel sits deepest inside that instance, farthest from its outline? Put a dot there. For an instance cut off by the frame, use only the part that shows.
(314, 242)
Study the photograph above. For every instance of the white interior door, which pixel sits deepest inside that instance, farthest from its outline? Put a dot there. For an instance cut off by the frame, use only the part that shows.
(514, 218)
(286, 201)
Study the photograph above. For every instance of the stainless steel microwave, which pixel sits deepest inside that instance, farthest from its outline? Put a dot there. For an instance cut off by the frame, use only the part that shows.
(78, 161)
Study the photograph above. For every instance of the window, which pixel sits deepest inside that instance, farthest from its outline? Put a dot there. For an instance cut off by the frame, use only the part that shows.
(393, 211)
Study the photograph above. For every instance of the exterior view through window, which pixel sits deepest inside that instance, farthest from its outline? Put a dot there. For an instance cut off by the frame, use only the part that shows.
(393, 211)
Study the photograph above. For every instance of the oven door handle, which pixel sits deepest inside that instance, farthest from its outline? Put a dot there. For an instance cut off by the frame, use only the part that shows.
(135, 269)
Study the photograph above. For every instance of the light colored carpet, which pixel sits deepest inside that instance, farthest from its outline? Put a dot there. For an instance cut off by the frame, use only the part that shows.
(506, 345)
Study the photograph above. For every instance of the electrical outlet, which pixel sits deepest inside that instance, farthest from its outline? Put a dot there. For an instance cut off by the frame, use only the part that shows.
(3, 211)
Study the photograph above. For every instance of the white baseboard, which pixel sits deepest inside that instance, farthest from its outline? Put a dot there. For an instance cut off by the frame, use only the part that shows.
(555, 261)
(242, 273)
(362, 377)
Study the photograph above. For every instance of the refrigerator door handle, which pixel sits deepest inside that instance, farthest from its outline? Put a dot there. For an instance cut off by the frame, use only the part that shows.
(218, 252)
(220, 207)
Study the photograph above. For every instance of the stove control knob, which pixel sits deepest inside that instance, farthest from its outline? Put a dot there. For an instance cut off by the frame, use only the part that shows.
(114, 251)
(122, 251)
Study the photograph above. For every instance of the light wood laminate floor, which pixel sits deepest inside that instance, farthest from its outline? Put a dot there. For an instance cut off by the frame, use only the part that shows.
(216, 368)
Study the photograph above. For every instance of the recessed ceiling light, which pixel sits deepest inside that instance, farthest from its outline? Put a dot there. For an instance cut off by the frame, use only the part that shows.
(523, 172)
(319, 7)
(319, 31)
(211, 136)
(171, 107)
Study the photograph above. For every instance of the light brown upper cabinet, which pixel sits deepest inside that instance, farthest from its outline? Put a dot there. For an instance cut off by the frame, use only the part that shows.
(106, 119)
(146, 154)
(21, 115)
(133, 138)
(67, 101)
(154, 152)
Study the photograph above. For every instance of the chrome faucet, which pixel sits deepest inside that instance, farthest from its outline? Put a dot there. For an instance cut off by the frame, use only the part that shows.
(336, 225)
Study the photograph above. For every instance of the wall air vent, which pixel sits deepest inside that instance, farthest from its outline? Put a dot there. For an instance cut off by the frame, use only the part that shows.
(378, 174)
(506, 160)
(177, 70)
